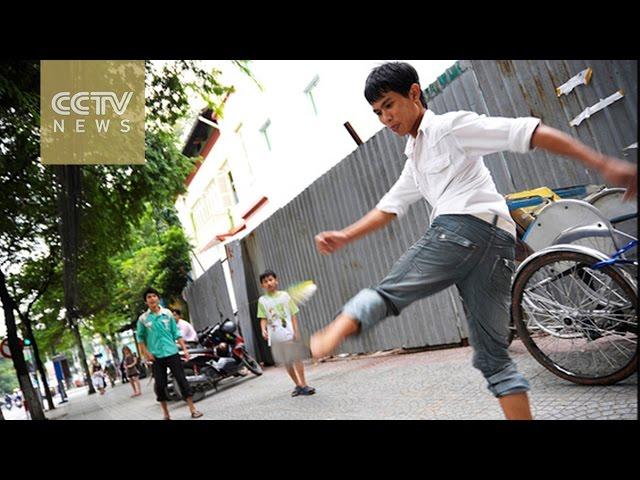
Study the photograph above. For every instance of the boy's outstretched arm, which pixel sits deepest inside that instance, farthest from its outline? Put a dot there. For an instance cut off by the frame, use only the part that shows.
(329, 242)
(615, 171)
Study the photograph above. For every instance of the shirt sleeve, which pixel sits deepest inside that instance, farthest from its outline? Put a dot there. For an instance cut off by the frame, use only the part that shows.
(261, 311)
(401, 195)
(479, 135)
(141, 332)
(175, 331)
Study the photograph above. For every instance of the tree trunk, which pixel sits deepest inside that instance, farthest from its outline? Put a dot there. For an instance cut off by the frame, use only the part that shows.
(69, 178)
(36, 354)
(83, 357)
(19, 363)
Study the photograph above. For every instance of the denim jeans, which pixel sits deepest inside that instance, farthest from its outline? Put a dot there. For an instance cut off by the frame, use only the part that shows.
(479, 259)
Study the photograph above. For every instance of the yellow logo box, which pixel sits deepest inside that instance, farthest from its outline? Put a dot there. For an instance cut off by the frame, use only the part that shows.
(92, 112)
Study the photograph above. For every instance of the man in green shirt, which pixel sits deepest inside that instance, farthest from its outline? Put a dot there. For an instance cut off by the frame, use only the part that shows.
(157, 334)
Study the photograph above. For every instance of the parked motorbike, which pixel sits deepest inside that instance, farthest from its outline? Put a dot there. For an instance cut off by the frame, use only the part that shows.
(220, 354)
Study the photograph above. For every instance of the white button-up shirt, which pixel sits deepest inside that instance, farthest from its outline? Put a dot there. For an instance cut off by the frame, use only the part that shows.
(445, 166)
(189, 334)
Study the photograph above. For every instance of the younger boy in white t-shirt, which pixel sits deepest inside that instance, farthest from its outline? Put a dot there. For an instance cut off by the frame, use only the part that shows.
(277, 313)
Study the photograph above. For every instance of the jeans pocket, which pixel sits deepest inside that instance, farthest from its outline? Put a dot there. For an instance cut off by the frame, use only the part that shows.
(454, 243)
(442, 250)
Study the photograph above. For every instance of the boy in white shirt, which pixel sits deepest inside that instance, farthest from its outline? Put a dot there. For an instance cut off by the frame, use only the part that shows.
(189, 333)
(471, 239)
(277, 313)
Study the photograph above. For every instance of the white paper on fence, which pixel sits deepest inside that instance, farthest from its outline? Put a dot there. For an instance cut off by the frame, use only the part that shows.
(587, 112)
(582, 78)
(633, 145)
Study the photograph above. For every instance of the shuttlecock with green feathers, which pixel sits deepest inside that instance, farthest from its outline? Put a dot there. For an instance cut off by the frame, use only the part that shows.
(301, 292)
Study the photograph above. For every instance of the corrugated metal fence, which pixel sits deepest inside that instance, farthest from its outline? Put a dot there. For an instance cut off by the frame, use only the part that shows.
(285, 242)
(527, 88)
(208, 298)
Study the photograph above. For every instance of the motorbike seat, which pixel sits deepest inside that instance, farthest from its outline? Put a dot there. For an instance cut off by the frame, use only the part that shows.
(196, 351)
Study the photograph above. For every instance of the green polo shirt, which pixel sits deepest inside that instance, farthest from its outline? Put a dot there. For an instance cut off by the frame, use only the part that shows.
(159, 332)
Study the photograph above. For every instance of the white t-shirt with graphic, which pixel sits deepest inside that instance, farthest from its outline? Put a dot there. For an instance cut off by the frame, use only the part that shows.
(278, 310)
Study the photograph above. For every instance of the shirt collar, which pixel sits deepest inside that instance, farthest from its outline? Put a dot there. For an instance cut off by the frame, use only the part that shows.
(427, 120)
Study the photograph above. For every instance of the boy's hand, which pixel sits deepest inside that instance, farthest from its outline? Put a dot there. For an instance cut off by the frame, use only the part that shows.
(621, 174)
(149, 357)
(265, 334)
(329, 242)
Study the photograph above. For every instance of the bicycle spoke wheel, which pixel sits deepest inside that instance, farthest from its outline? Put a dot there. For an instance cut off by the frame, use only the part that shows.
(578, 322)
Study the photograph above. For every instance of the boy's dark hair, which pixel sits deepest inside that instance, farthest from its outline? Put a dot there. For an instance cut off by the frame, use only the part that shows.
(267, 273)
(177, 310)
(148, 291)
(392, 77)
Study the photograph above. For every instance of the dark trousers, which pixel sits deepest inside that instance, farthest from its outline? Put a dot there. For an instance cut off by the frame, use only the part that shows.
(160, 375)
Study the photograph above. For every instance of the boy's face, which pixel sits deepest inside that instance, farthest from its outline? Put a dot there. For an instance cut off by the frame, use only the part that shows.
(152, 300)
(270, 284)
(399, 113)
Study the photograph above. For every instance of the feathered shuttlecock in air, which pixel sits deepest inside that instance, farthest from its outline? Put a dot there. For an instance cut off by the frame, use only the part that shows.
(301, 292)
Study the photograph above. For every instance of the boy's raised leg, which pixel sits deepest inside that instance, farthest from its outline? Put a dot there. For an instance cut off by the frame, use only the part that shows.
(325, 341)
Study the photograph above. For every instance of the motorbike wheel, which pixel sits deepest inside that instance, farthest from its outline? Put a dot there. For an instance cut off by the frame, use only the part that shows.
(253, 366)
(172, 392)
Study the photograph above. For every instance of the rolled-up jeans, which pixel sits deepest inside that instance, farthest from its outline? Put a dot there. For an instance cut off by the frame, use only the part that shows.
(478, 258)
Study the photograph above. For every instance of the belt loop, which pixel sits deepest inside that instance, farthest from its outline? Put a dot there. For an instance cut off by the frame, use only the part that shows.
(495, 220)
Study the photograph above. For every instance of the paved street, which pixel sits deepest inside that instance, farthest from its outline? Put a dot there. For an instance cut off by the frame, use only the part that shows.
(439, 384)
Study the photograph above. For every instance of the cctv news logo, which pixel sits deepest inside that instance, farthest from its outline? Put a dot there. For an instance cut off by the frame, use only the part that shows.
(86, 103)
(92, 112)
